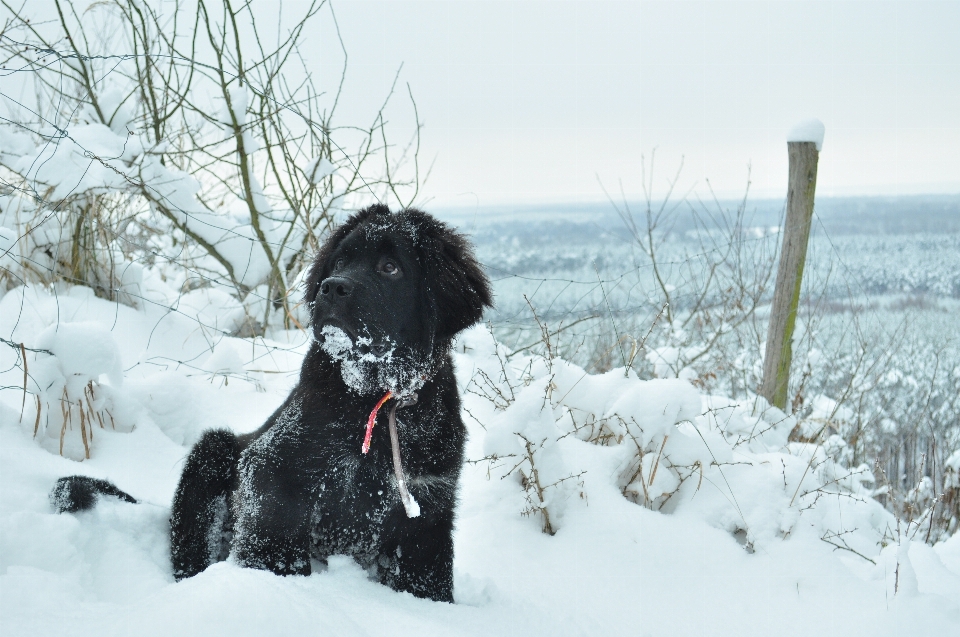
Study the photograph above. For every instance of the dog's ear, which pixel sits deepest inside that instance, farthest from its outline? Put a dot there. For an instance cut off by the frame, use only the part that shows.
(316, 275)
(458, 287)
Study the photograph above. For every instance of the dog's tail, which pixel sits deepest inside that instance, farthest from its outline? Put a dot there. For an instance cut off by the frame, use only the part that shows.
(80, 493)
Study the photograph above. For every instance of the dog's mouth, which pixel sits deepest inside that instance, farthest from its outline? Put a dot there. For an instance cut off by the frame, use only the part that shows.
(340, 343)
(379, 349)
(329, 328)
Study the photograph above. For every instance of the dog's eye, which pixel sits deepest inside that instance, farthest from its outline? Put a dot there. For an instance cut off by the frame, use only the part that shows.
(389, 268)
(338, 264)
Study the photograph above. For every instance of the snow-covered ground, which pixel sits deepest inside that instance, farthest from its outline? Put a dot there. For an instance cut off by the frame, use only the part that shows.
(674, 513)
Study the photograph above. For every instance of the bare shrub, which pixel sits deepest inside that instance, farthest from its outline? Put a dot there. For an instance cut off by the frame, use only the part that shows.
(195, 142)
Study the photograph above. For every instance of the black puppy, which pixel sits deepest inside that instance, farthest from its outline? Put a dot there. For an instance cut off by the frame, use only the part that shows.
(388, 293)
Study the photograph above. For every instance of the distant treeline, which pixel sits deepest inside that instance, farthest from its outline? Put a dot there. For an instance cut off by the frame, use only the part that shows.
(838, 215)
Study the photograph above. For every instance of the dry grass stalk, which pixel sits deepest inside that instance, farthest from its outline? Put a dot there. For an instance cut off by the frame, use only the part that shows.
(64, 409)
(36, 424)
(23, 357)
(83, 432)
(90, 394)
(656, 461)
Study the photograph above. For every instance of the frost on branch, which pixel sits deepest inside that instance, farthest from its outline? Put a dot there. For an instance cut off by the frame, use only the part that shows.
(526, 437)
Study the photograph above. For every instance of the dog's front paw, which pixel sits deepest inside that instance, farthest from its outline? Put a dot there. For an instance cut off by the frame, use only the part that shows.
(278, 555)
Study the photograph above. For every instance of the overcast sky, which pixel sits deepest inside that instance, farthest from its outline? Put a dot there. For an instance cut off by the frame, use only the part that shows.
(545, 101)
(534, 101)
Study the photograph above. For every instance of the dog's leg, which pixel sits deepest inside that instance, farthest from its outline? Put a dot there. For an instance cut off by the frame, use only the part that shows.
(272, 508)
(200, 513)
(417, 557)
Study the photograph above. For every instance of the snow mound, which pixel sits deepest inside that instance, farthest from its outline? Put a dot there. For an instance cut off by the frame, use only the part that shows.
(83, 352)
(77, 378)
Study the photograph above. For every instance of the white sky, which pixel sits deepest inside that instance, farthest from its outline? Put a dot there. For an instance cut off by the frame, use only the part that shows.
(532, 101)
(536, 101)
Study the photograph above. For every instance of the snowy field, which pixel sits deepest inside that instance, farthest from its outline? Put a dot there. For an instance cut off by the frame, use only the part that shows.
(861, 251)
(654, 496)
(674, 513)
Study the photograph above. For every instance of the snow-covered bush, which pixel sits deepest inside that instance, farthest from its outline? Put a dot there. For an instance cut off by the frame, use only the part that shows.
(893, 398)
(208, 154)
(527, 451)
(76, 378)
(563, 434)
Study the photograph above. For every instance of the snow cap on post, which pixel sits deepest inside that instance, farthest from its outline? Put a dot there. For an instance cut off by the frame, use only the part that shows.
(809, 130)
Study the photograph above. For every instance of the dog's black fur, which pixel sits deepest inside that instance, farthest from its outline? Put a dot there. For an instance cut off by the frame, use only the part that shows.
(401, 286)
(79, 493)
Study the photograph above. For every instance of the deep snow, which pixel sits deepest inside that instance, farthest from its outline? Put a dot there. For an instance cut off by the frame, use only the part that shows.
(613, 567)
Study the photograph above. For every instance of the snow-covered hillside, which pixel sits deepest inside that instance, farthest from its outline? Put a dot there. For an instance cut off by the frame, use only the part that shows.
(672, 512)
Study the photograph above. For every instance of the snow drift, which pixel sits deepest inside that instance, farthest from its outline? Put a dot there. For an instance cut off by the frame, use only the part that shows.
(671, 512)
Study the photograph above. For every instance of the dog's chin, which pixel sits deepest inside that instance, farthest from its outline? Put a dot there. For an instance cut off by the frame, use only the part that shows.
(363, 345)
(398, 372)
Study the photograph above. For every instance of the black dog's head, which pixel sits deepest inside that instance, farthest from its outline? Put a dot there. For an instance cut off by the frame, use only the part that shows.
(388, 292)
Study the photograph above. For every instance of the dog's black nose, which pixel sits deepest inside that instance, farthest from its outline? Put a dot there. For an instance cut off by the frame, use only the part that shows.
(336, 286)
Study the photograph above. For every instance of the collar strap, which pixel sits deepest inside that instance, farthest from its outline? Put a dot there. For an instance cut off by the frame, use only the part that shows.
(409, 503)
(372, 420)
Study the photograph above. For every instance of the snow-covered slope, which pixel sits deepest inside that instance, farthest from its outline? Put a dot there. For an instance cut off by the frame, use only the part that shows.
(673, 513)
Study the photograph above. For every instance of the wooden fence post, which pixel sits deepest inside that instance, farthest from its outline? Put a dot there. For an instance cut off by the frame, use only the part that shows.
(793, 254)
